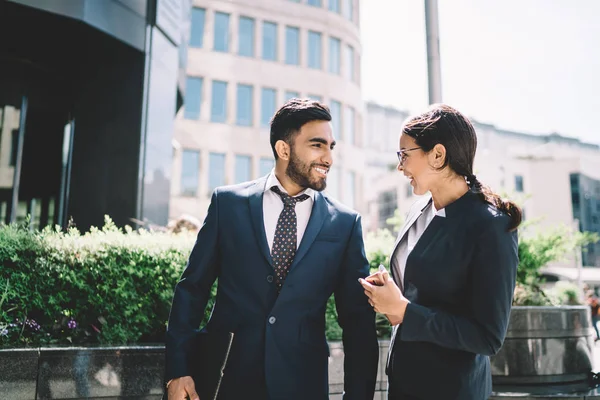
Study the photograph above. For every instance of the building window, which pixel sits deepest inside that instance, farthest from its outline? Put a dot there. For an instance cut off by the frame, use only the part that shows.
(519, 183)
(197, 29)
(246, 37)
(349, 131)
(349, 9)
(221, 32)
(193, 98)
(190, 172)
(409, 190)
(243, 169)
(316, 3)
(314, 50)
(292, 45)
(315, 97)
(336, 118)
(350, 62)
(218, 110)
(268, 103)
(289, 94)
(14, 147)
(244, 105)
(334, 55)
(334, 5)
(350, 189)
(216, 170)
(387, 204)
(265, 165)
(333, 182)
(269, 42)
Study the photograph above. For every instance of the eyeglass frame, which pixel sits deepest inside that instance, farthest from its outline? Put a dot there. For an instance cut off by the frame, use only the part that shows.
(401, 153)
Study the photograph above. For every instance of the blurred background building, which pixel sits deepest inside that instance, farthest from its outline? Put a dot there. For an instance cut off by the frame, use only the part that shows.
(88, 94)
(245, 59)
(555, 178)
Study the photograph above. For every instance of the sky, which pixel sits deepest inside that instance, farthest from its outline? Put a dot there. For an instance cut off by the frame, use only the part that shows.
(525, 65)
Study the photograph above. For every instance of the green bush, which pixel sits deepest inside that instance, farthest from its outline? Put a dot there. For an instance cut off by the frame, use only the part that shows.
(535, 252)
(109, 286)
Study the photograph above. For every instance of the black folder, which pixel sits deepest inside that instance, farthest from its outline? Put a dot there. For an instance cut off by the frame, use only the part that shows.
(209, 361)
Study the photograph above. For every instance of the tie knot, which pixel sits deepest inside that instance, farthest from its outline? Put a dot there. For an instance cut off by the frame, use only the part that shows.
(289, 201)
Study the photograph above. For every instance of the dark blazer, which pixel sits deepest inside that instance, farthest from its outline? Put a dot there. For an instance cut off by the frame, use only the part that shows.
(460, 279)
(279, 349)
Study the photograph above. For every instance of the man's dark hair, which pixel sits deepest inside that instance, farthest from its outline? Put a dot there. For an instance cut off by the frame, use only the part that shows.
(288, 120)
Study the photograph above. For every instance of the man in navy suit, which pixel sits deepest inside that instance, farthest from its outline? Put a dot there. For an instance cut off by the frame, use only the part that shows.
(279, 248)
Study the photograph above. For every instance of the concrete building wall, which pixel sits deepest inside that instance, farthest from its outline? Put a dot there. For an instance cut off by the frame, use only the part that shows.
(228, 138)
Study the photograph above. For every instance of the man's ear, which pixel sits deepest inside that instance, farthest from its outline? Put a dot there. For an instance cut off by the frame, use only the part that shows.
(282, 149)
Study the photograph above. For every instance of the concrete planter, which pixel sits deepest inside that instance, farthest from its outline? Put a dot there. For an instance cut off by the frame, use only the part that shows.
(547, 350)
(118, 372)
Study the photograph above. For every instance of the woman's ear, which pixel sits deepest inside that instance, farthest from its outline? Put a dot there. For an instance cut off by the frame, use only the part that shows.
(282, 149)
(437, 156)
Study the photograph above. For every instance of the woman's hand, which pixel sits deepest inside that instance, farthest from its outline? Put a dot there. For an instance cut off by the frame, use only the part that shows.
(385, 296)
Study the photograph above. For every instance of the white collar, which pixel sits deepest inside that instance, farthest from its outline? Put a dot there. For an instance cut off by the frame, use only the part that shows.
(273, 181)
(441, 212)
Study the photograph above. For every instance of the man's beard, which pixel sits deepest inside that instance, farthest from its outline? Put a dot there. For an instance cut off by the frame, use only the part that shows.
(300, 173)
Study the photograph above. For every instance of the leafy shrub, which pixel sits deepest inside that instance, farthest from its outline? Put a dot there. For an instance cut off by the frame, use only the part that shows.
(535, 252)
(107, 286)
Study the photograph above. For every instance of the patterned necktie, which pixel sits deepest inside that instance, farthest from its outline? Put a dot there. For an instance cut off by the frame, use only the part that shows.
(286, 236)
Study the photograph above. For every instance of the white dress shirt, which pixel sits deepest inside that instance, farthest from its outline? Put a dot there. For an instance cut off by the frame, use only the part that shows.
(408, 243)
(273, 205)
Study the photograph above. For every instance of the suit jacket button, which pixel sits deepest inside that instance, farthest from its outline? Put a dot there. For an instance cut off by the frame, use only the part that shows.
(270, 278)
(272, 320)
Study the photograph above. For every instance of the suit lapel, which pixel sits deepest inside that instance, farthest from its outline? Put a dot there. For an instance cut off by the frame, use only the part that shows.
(317, 218)
(255, 197)
(410, 221)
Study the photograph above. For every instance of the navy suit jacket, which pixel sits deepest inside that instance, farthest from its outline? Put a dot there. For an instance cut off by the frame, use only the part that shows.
(279, 349)
(460, 279)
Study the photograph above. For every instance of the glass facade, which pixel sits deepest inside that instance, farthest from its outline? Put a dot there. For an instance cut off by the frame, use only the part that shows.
(265, 166)
(350, 62)
(334, 5)
(190, 172)
(269, 41)
(268, 100)
(243, 168)
(333, 182)
(349, 9)
(349, 126)
(289, 94)
(334, 55)
(197, 27)
(218, 109)
(244, 105)
(216, 171)
(292, 45)
(315, 50)
(221, 32)
(350, 189)
(246, 37)
(335, 109)
(193, 98)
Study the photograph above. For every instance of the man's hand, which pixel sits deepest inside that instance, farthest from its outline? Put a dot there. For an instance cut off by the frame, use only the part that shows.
(182, 388)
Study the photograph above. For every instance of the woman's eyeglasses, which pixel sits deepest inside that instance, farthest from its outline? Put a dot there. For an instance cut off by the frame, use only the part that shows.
(402, 154)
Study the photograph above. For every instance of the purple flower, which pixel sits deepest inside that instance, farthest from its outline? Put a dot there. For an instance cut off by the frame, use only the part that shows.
(32, 324)
(4, 332)
(72, 324)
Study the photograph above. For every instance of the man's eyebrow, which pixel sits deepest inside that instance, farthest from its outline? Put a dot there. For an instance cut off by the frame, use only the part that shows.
(322, 141)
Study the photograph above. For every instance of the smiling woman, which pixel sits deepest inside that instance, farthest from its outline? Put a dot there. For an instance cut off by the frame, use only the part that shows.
(453, 266)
